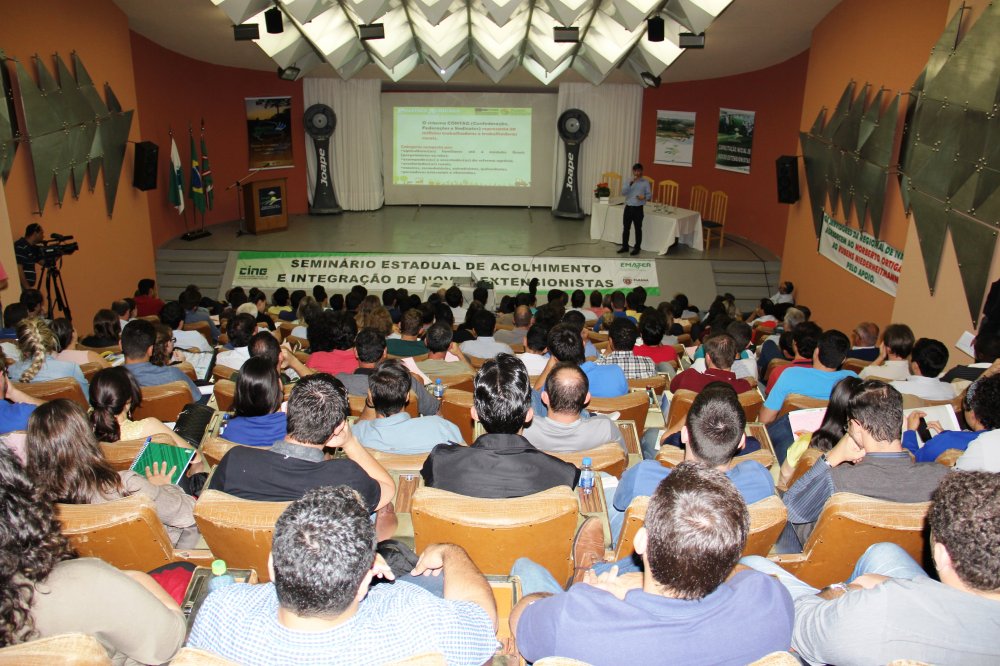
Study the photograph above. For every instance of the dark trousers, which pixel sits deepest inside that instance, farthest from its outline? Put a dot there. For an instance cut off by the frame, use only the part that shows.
(632, 215)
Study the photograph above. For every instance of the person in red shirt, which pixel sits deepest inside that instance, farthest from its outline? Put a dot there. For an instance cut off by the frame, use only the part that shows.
(146, 301)
(652, 327)
(720, 352)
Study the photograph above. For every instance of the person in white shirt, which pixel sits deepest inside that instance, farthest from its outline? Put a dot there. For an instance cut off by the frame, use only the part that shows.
(240, 329)
(172, 315)
(484, 346)
(577, 300)
(453, 297)
(785, 294)
(927, 361)
(534, 358)
(522, 321)
(893, 359)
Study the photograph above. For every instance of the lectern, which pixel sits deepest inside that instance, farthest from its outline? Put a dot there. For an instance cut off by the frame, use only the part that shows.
(266, 206)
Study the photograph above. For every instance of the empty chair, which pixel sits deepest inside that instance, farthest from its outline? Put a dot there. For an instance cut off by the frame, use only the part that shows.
(631, 407)
(614, 181)
(715, 223)
(495, 532)
(699, 200)
(238, 531)
(850, 524)
(125, 533)
(667, 192)
(164, 402)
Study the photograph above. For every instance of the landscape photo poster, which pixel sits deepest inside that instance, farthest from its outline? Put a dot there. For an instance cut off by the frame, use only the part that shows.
(269, 132)
(674, 138)
(735, 140)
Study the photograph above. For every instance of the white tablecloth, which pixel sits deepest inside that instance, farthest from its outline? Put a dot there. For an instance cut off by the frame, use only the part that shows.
(659, 230)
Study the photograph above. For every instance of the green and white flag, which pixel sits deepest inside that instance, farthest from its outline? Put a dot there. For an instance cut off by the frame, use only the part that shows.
(196, 189)
(176, 192)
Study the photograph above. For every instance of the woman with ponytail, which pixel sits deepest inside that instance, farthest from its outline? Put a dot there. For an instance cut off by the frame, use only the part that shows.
(114, 396)
(38, 346)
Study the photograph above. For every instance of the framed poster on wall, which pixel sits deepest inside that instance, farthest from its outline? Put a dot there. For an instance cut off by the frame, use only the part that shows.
(735, 140)
(269, 132)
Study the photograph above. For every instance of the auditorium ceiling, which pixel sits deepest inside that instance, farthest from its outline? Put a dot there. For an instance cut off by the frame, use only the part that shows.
(486, 42)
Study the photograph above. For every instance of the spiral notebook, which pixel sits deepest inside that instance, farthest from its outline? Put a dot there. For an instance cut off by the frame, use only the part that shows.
(156, 452)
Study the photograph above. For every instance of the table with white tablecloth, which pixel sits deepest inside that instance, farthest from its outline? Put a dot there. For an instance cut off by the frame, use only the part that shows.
(660, 229)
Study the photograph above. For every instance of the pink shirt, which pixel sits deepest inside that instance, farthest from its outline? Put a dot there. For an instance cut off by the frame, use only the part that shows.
(338, 360)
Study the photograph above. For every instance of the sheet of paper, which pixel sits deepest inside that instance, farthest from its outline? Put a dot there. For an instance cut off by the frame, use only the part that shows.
(806, 420)
(964, 344)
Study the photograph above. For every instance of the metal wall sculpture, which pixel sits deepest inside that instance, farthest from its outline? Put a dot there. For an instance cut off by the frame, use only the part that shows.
(950, 157)
(7, 122)
(71, 131)
(848, 158)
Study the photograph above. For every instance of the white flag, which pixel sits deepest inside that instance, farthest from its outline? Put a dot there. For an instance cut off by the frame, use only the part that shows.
(176, 178)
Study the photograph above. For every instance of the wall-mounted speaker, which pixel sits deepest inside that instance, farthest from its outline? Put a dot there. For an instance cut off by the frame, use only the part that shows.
(246, 32)
(144, 168)
(787, 169)
(573, 127)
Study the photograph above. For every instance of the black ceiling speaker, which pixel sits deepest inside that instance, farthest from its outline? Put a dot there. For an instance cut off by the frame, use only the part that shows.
(655, 29)
(246, 32)
(320, 122)
(573, 127)
(273, 21)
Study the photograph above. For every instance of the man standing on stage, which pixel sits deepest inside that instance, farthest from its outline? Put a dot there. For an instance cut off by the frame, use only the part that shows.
(636, 194)
(27, 254)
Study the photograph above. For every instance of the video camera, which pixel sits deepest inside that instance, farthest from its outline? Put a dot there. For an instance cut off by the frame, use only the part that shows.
(56, 247)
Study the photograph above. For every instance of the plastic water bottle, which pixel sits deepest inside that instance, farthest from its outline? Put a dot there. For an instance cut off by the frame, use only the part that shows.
(220, 578)
(587, 476)
(438, 389)
(225, 422)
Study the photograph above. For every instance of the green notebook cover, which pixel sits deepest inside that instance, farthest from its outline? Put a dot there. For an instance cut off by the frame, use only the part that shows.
(160, 453)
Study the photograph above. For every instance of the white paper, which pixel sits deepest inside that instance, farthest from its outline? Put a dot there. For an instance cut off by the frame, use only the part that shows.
(964, 344)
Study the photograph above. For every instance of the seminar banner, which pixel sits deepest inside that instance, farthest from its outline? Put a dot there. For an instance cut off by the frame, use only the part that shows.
(861, 254)
(509, 275)
(674, 138)
(735, 141)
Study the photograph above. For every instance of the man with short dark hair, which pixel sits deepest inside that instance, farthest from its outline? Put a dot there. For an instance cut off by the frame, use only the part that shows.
(566, 345)
(621, 341)
(322, 606)
(617, 310)
(147, 303)
(137, 346)
(927, 361)
(577, 301)
(369, 347)
(454, 297)
(894, 354)
(892, 611)
(815, 382)
(500, 463)
(686, 606)
(981, 409)
(124, 310)
(785, 293)
(392, 430)
(805, 337)
(28, 254)
(33, 300)
(408, 343)
(720, 353)
(443, 356)
(880, 468)
(562, 430)
(172, 314)
(317, 419)
(534, 357)
(636, 193)
(484, 345)
(240, 329)
(522, 321)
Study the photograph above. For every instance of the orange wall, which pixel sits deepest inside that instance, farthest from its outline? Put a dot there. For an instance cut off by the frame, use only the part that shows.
(885, 43)
(175, 91)
(775, 94)
(114, 253)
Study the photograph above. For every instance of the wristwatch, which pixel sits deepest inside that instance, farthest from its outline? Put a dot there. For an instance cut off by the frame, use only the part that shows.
(836, 586)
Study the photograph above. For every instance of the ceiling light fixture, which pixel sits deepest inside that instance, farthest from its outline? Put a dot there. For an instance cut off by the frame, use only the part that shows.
(289, 73)
(246, 32)
(650, 81)
(689, 40)
(566, 34)
(371, 31)
(655, 29)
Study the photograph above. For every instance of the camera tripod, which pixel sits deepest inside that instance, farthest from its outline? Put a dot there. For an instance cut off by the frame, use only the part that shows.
(51, 277)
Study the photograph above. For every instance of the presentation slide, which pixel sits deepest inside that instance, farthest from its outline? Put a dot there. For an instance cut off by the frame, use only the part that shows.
(462, 146)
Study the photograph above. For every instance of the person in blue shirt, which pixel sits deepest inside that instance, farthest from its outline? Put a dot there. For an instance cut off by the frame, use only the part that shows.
(981, 406)
(258, 419)
(636, 194)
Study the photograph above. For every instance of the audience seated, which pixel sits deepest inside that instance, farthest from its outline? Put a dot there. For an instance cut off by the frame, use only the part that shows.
(391, 429)
(500, 463)
(125, 310)
(785, 293)
(240, 329)
(147, 303)
(259, 300)
(720, 352)
(164, 352)
(443, 356)
(880, 467)
(987, 350)
(484, 346)
(566, 346)
(689, 602)
(579, 324)
(308, 308)
(763, 314)
(114, 397)
(331, 341)
(577, 300)
(805, 338)
(12, 316)
(16, 406)
(324, 605)
(535, 343)
(408, 343)
(892, 362)
(370, 348)
(927, 361)
(562, 430)
(66, 336)
(107, 330)
(864, 339)
(770, 350)
(38, 362)
(623, 333)
(616, 304)
(172, 315)
(45, 590)
(981, 407)
(522, 322)
(67, 465)
(137, 345)
(317, 419)
(892, 611)
(258, 419)
(280, 304)
(652, 328)
(191, 301)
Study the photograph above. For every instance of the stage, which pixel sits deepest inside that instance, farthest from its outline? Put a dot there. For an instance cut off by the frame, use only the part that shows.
(741, 267)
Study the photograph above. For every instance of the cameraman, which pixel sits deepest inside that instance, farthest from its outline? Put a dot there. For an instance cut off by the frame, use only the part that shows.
(27, 253)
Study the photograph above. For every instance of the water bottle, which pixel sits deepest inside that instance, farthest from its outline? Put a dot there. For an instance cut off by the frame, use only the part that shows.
(438, 389)
(587, 476)
(220, 578)
(225, 422)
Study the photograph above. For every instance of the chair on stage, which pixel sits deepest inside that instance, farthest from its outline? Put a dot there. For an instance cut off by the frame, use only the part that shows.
(667, 192)
(699, 200)
(715, 223)
(614, 181)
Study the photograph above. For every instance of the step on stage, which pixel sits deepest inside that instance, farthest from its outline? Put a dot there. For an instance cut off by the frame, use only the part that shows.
(442, 232)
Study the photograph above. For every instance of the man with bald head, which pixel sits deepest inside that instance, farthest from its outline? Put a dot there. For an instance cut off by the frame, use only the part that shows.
(566, 393)
(522, 322)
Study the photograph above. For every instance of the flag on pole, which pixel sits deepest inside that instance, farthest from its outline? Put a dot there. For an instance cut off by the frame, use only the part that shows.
(176, 192)
(206, 173)
(197, 190)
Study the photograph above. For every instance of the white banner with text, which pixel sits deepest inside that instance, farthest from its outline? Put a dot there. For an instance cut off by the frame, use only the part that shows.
(861, 254)
(337, 272)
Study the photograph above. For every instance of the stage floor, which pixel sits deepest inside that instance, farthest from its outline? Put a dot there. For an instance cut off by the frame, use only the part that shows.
(449, 230)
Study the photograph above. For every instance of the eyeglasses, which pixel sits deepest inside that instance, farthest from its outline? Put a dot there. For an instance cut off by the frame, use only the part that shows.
(174, 340)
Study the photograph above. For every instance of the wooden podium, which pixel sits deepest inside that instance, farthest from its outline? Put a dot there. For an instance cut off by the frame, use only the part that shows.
(265, 203)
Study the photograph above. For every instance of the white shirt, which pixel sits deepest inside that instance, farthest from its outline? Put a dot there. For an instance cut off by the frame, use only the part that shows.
(892, 369)
(191, 340)
(928, 388)
(233, 358)
(779, 298)
(534, 363)
(589, 315)
(983, 454)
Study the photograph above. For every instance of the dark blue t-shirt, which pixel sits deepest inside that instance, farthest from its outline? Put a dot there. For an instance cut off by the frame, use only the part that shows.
(14, 416)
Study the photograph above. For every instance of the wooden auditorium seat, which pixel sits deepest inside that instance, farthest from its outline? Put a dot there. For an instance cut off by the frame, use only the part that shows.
(610, 458)
(455, 406)
(633, 406)
(225, 394)
(63, 649)
(214, 448)
(796, 401)
(164, 402)
(53, 389)
(121, 454)
(238, 531)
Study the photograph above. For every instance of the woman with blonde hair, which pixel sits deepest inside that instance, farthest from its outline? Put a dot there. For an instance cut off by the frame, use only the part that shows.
(67, 465)
(39, 346)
